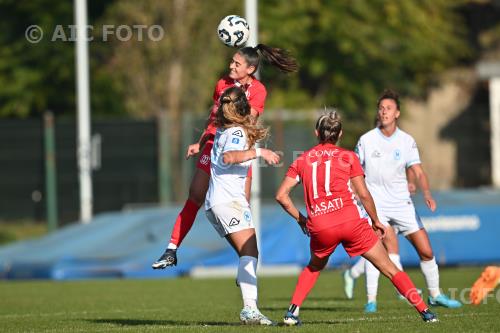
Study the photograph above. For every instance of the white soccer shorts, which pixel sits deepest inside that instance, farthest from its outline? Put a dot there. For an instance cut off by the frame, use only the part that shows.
(230, 218)
(404, 221)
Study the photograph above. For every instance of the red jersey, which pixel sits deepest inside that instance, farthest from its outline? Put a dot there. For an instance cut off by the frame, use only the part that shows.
(255, 91)
(325, 172)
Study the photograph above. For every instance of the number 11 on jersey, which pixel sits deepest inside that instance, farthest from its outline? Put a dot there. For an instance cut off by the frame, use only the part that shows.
(327, 178)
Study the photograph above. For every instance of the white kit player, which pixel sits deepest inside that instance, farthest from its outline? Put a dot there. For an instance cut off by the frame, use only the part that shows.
(226, 205)
(385, 153)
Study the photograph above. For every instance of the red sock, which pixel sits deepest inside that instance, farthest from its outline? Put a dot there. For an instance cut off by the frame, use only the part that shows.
(184, 222)
(405, 286)
(307, 280)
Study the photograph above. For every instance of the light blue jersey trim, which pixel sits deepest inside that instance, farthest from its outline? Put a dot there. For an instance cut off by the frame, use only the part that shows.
(409, 164)
(388, 138)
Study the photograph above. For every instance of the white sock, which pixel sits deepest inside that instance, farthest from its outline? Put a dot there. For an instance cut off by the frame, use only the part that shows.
(396, 259)
(431, 274)
(172, 246)
(358, 268)
(372, 275)
(247, 279)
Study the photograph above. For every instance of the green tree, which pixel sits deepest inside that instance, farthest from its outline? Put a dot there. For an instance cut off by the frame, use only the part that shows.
(39, 76)
(175, 74)
(350, 50)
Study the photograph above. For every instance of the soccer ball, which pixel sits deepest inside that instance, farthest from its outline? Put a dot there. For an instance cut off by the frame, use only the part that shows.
(233, 30)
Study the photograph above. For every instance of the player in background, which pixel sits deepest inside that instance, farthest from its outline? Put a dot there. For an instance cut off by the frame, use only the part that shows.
(355, 271)
(226, 204)
(385, 153)
(329, 174)
(244, 64)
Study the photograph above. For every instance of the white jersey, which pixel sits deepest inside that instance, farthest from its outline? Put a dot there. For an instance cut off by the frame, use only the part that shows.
(385, 160)
(227, 182)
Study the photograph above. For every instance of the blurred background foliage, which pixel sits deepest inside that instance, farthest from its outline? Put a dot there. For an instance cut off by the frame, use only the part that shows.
(349, 50)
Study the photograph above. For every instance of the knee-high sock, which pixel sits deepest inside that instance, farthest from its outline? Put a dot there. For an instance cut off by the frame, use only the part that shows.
(396, 259)
(307, 280)
(405, 286)
(358, 268)
(431, 274)
(184, 222)
(372, 275)
(247, 280)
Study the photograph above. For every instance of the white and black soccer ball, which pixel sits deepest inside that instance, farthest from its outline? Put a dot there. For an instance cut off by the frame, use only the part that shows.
(233, 30)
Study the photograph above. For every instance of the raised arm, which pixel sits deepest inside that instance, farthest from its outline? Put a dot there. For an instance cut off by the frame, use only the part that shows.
(240, 156)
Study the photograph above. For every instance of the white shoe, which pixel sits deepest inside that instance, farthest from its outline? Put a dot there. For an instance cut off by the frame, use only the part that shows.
(252, 316)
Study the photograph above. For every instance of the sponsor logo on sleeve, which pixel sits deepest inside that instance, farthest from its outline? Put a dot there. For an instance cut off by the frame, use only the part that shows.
(234, 221)
(238, 133)
(235, 140)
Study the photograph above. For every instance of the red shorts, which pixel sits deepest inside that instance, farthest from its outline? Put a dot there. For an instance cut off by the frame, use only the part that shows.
(356, 236)
(204, 160)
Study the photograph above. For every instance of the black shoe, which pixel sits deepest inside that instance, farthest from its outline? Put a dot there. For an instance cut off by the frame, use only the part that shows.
(169, 258)
(428, 316)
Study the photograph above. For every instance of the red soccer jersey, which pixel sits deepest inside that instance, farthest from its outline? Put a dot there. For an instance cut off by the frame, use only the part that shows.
(255, 91)
(325, 172)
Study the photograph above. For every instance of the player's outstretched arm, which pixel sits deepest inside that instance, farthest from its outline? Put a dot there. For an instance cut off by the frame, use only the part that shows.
(283, 198)
(366, 199)
(240, 156)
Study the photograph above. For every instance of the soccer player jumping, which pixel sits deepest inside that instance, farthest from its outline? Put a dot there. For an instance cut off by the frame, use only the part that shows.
(242, 68)
(328, 173)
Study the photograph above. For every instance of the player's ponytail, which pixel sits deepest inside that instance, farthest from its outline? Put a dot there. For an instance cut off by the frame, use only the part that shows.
(329, 126)
(275, 56)
(234, 110)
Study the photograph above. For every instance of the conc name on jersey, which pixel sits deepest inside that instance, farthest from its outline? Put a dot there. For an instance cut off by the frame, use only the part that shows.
(327, 207)
(320, 153)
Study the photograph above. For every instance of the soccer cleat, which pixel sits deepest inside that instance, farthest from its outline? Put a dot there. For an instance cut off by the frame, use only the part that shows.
(443, 300)
(348, 284)
(488, 280)
(428, 316)
(250, 316)
(371, 307)
(168, 258)
(291, 320)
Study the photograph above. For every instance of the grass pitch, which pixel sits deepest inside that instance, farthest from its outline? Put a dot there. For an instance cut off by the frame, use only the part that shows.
(213, 305)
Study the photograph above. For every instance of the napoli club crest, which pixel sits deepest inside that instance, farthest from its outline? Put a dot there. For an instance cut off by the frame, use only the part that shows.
(397, 154)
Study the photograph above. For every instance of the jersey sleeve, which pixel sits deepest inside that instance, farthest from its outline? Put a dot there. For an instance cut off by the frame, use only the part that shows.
(217, 92)
(413, 154)
(258, 98)
(360, 151)
(356, 168)
(236, 139)
(294, 170)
